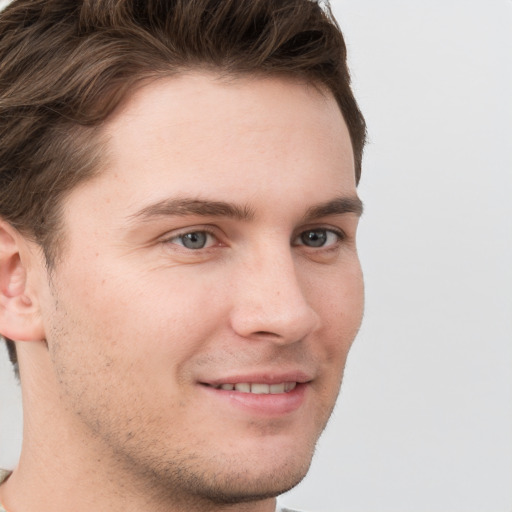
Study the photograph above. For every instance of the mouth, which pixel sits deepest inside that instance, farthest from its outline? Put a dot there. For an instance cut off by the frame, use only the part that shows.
(257, 388)
(264, 393)
(264, 399)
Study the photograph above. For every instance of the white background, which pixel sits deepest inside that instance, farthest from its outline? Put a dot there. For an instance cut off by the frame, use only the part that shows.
(424, 421)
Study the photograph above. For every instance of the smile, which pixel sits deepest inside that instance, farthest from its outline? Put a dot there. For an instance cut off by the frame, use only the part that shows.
(259, 388)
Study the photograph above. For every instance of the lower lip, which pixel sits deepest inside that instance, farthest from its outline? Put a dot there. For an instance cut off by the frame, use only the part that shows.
(265, 404)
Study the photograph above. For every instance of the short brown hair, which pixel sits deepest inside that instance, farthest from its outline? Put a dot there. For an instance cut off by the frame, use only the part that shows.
(65, 65)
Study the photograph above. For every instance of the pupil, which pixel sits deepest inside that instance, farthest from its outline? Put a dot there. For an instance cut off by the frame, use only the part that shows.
(314, 238)
(195, 240)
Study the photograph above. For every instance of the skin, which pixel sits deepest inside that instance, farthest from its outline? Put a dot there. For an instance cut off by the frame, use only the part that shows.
(127, 337)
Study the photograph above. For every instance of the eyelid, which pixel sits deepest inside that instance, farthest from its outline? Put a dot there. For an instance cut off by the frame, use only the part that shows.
(214, 232)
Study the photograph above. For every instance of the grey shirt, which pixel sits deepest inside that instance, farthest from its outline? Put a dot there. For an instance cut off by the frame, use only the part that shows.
(3, 475)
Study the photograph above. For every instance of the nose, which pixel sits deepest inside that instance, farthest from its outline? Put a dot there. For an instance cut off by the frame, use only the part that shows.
(269, 301)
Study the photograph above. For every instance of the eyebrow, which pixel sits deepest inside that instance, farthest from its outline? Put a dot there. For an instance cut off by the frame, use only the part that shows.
(207, 208)
(185, 206)
(338, 206)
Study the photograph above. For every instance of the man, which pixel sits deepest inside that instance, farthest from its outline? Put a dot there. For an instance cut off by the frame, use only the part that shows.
(179, 278)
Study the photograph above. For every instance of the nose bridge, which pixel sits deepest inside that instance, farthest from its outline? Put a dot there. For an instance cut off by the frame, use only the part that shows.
(270, 299)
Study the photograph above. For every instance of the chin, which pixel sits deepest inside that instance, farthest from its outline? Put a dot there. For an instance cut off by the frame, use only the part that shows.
(249, 488)
(233, 479)
(261, 468)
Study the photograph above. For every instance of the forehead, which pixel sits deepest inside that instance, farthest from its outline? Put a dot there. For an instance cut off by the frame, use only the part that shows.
(199, 135)
(211, 125)
(202, 109)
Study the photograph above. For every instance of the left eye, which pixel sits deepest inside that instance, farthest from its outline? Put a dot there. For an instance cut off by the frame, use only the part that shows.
(194, 240)
(317, 238)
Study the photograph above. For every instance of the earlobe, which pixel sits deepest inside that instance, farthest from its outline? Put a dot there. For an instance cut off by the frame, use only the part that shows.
(20, 318)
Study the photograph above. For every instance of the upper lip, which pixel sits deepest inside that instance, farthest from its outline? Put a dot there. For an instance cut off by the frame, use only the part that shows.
(268, 377)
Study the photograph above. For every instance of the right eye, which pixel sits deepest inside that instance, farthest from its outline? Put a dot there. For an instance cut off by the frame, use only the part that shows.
(194, 240)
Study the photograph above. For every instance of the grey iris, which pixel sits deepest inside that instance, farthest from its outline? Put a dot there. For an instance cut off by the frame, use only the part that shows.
(195, 240)
(316, 238)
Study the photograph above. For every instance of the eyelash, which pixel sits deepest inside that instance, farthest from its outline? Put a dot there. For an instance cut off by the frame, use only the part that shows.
(339, 234)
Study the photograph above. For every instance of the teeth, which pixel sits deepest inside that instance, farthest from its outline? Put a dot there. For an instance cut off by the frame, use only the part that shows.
(259, 389)
(277, 388)
(243, 387)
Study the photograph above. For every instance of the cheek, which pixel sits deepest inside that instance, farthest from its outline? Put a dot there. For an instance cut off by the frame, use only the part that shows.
(342, 315)
(155, 322)
(340, 304)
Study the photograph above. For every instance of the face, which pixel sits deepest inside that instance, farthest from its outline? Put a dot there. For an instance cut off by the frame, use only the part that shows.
(209, 289)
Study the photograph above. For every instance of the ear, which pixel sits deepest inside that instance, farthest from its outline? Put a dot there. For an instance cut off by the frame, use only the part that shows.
(20, 318)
